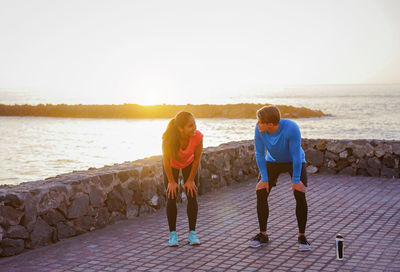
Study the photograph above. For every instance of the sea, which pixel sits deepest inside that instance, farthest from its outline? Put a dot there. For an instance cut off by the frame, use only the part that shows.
(35, 148)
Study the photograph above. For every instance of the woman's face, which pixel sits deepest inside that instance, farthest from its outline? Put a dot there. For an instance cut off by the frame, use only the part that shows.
(189, 129)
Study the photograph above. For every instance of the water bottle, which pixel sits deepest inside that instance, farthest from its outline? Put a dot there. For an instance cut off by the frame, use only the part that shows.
(339, 247)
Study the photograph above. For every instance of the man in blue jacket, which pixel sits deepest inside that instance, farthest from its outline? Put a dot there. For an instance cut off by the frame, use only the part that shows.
(281, 139)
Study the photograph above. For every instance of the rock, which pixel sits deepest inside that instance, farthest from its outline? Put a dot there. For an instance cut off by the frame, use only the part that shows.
(82, 224)
(362, 172)
(13, 199)
(115, 201)
(311, 169)
(79, 206)
(205, 185)
(396, 148)
(389, 172)
(11, 247)
(373, 172)
(362, 164)
(324, 170)
(10, 216)
(65, 230)
(123, 176)
(315, 157)
(389, 161)
(335, 146)
(374, 163)
(331, 164)
(379, 153)
(17, 232)
(127, 196)
(205, 173)
(132, 211)
(53, 217)
(349, 171)
(331, 156)
(29, 218)
(41, 235)
(2, 233)
(117, 216)
(102, 218)
(106, 180)
(96, 196)
(344, 154)
(321, 145)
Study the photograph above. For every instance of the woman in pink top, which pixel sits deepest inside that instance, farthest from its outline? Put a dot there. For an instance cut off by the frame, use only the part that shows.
(182, 147)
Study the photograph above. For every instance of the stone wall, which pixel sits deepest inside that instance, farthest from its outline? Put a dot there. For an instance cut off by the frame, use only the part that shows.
(357, 157)
(39, 213)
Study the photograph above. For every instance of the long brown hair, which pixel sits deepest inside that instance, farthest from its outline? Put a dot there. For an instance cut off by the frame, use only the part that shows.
(171, 137)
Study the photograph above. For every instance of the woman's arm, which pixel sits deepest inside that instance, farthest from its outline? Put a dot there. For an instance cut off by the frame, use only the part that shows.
(172, 184)
(197, 157)
(190, 186)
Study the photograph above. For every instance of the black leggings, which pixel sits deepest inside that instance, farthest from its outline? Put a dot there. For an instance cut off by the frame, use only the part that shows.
(192, 201)
(274, 170)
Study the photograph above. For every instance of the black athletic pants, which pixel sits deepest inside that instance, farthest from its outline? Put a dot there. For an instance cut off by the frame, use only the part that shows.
(191, 204)
(274, 169)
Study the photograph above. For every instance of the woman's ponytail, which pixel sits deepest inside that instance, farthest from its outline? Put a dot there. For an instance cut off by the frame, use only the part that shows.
(172, 137)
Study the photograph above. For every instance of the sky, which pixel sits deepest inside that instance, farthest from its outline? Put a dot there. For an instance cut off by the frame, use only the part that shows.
(154, 51)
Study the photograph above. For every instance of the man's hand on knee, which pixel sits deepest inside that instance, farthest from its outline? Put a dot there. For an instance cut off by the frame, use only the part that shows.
(299, 186)
(262, 185)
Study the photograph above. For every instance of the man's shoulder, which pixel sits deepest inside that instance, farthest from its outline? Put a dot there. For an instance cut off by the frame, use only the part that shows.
(288, 123)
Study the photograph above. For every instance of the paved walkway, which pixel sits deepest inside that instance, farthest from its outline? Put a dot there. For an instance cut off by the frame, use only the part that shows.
(366, 211)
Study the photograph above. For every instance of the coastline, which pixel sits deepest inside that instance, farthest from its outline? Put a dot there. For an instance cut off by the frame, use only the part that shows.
(135, 111)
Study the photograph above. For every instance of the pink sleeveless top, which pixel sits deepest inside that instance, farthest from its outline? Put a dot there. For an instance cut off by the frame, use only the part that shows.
(186, 156)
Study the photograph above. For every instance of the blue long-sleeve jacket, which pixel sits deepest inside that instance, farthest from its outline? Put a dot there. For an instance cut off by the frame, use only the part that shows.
(282, 146)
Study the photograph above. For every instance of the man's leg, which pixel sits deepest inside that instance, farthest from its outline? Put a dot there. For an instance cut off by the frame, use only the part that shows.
(302, 211)
(262, 210)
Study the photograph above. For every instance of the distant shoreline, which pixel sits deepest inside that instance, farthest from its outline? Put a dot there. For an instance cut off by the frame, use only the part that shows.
(135, 111)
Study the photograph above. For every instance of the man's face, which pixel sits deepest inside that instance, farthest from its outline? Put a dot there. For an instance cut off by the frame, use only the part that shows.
(262, 127)
(268, 127)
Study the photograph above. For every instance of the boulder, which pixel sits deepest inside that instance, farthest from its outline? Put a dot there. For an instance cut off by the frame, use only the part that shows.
(10, 216)
(41, 235)
(79, 206)
(373, 172)
(65, 230)
(343, 154)
(311, 169)
(115, 201)
(389, 172)
(17, 232)
(11, 247)
(96, 196)
(374, 163)
(389, 161)
(315, 157)
(348, 171)
(53, 217)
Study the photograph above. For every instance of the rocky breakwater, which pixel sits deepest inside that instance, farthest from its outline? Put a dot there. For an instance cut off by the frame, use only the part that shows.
(353, 157)
(39, 213)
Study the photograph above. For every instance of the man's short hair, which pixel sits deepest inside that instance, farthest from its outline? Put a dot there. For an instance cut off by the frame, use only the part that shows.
(269, 114)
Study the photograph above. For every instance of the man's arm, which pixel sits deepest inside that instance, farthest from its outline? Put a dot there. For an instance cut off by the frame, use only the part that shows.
(295, 152)
(260, 155)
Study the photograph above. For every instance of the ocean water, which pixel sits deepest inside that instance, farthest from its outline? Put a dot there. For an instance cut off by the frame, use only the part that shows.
(34, 148)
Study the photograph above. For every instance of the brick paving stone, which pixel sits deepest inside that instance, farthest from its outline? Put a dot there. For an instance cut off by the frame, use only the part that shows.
(364, 210)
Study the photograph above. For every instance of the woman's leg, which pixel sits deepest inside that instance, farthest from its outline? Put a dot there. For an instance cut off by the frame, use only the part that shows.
(192, 207)
(171, 202)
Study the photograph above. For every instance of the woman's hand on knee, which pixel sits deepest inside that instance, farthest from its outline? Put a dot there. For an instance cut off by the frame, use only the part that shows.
(190, 188)
(172, 190)
(299, 186)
